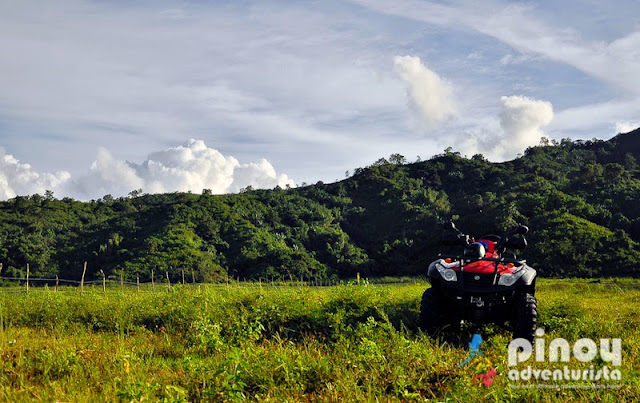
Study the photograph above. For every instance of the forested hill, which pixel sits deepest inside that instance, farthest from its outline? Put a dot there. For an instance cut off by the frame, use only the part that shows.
(580, 199)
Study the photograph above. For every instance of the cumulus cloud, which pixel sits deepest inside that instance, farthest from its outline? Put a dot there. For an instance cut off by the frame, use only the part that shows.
(521, 120)
(18, 178)
(626, 127)
(430, 97)
(106, 175)
(191, 167)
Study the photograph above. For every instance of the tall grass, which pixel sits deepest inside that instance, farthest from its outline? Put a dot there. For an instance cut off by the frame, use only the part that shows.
(217, 343)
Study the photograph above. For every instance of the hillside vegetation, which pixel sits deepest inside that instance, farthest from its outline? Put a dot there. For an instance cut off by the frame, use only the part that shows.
(580, 199)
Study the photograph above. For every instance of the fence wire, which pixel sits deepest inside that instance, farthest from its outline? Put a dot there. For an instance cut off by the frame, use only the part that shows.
(24, 285)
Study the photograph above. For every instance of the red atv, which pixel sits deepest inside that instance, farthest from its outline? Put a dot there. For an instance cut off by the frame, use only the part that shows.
(481, 285)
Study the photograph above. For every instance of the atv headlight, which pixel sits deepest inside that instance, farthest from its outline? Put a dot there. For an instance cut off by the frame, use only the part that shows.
(447, 274)
(508, 280)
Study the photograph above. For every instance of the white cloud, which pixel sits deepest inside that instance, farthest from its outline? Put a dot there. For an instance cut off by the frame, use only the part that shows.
(510, 59)
(17, 179)
(430, 97)
(259, 174)
(190, 167)
(521, 121)
(106, 176)
(626, 127)
(602, 115)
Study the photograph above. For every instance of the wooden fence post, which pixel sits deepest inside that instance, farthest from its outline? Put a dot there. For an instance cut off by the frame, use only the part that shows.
(104, 282)
(168, 282)
(193, 276)
(182, 276)
(27, 278)
(138, 284)
(122, 280)
(82, 279)
(57, 282)
(153, 286)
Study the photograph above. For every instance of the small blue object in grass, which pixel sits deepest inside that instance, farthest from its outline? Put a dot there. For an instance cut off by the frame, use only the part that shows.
(474, 345)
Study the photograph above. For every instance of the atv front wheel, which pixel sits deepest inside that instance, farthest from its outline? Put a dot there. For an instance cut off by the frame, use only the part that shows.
(431, 312)
(526, 316)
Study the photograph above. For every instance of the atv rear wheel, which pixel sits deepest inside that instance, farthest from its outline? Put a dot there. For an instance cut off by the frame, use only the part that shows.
(431, 312)
(526, 316)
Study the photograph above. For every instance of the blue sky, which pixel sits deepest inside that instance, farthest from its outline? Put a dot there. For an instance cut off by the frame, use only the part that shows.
(105, 97)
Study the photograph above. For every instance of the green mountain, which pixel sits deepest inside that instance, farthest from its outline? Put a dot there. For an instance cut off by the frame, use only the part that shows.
(581, 200)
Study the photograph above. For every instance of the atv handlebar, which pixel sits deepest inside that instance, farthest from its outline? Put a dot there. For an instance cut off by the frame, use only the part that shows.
(458, 238)
(489, 259)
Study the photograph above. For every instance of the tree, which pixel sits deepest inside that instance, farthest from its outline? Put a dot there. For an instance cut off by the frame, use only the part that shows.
(380, 162)
(135, 193)
(397, 159)
(449, 152)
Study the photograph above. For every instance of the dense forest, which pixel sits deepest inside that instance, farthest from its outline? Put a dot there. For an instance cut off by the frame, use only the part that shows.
(581, 200)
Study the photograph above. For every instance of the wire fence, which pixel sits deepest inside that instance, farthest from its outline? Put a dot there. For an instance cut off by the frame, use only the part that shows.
(109, 285)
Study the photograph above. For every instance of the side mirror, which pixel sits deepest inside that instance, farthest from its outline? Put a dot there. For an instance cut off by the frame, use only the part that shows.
(455, 240)
(521, 230)
(516, 243)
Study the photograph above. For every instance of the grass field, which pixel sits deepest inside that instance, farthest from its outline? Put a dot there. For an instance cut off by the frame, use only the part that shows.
(354, 343)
